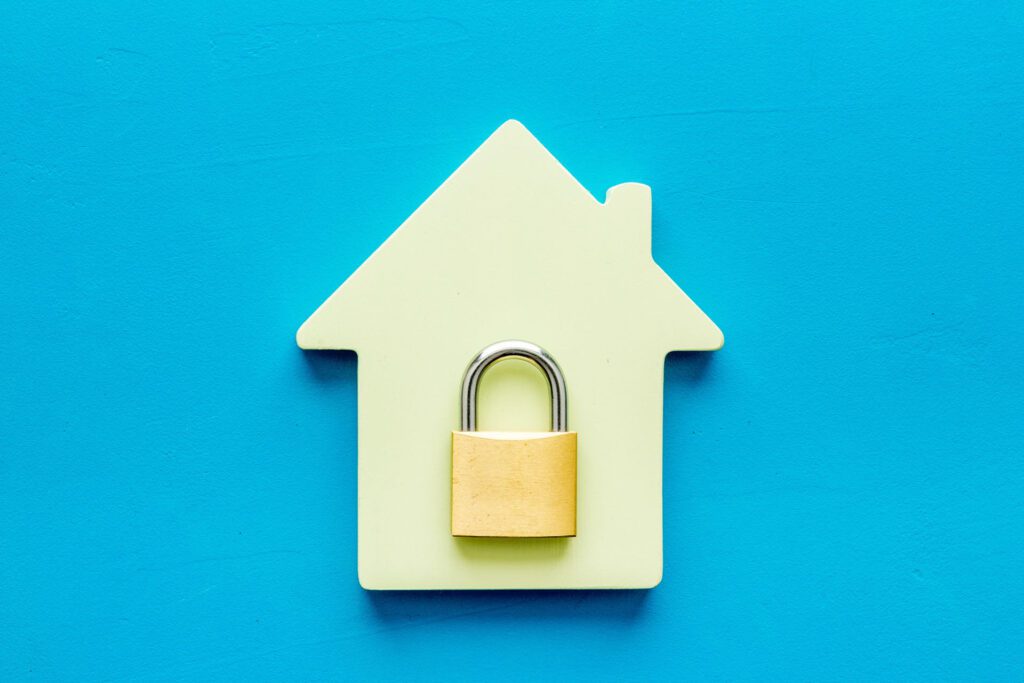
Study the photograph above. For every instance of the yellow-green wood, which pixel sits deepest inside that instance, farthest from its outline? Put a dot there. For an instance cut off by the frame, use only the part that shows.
(511, 246)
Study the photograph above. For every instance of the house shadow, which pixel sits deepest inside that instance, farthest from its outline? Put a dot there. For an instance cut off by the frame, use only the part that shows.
(683, 368)
(332, 368)
(398, 609)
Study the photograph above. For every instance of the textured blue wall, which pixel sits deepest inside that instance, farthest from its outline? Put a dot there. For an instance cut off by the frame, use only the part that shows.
(839, 187)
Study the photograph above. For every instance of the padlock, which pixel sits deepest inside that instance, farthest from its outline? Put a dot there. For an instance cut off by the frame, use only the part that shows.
(514, 484)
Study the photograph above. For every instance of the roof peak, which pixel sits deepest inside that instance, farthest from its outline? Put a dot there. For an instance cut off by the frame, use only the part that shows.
(516, 154)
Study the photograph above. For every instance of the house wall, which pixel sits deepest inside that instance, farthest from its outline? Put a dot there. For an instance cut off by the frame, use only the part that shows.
(409, 405)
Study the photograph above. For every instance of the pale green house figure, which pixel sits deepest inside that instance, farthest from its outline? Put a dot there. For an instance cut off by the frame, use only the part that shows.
(511, 246)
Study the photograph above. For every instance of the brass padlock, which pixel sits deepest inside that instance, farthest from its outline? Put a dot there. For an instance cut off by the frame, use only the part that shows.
(514, 484)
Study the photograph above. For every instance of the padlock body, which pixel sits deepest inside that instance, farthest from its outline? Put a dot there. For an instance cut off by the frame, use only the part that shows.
(514, 484)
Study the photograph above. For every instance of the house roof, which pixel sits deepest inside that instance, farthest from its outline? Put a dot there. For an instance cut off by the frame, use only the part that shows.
(512, 239)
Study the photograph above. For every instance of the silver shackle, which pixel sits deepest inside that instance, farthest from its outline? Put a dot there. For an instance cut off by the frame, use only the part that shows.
(514, 348)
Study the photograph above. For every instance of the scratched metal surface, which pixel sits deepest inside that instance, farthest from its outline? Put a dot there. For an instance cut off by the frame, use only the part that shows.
(839, 187)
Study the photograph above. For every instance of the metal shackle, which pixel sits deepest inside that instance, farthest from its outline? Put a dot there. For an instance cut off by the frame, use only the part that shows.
(514, 348)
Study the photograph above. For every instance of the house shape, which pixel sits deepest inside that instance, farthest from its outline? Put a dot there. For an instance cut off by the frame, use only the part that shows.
(511, 246)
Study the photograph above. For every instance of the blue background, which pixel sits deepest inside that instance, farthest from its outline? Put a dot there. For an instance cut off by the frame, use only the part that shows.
(839, 188)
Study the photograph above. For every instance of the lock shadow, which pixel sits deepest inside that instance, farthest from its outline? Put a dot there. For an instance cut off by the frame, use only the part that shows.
(511, 550)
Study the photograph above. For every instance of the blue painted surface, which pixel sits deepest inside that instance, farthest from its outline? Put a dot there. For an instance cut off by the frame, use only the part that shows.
(840, 188)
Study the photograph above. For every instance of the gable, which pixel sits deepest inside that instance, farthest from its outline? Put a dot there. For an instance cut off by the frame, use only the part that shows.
(513, 239)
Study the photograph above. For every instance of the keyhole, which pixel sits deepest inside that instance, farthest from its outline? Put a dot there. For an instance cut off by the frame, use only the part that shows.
(513, 397)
